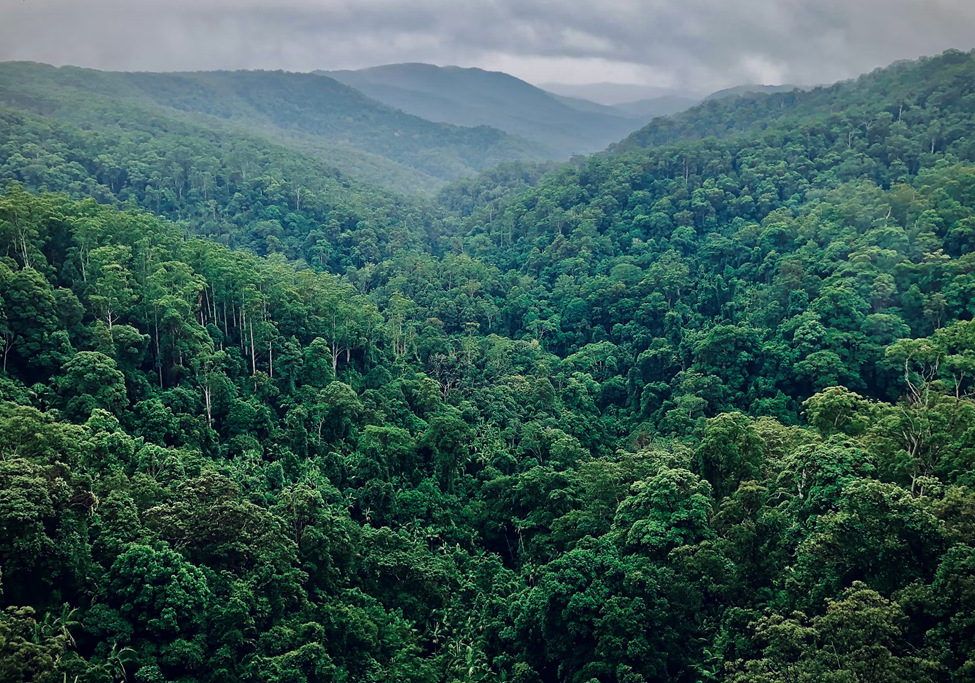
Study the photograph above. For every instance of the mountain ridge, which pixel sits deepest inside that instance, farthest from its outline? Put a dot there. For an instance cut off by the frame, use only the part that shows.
(611, 94)
(302, 110)
(472, 96)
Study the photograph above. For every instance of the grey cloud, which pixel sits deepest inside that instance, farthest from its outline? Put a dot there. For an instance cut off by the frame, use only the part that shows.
(698, 44)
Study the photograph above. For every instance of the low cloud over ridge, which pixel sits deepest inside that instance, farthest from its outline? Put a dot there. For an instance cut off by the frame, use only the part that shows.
(697, 44)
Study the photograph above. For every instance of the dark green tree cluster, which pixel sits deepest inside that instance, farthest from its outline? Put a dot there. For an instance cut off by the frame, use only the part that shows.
(238, 190)
(686, 413)
(749, 271)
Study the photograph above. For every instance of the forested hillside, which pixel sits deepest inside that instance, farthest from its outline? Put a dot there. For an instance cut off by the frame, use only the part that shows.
(911, 93)
(697, 409)
(311, 114)
(241, 191)
(474, 97)
(749, 89)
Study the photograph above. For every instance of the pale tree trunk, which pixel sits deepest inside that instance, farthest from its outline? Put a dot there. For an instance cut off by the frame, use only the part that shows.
(23, 250)
(155, 315)
(334, 347)
(253, 352)
(206, 400)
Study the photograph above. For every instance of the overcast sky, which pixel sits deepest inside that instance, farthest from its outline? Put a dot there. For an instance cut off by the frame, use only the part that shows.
(698, 44)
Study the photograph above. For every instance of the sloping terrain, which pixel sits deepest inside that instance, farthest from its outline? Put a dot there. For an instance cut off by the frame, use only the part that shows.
(697, 410)
(589, 106)
(904, 90)
(609, 94)
(474, 97)
(651, 108)
(310, 113)
(662, 102)
(748, 89)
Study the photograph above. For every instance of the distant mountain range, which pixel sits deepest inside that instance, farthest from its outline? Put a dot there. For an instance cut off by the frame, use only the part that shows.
(651, 108)
(565, 119)
(310, 113)
(409, 127)
(474, 97)
(611, 94)
(610, 98)
(588, 106)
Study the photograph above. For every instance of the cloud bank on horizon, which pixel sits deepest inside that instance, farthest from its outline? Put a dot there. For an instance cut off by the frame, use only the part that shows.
(700, 45)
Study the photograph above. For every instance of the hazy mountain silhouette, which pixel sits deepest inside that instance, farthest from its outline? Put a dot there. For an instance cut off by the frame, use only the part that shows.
(474, 97)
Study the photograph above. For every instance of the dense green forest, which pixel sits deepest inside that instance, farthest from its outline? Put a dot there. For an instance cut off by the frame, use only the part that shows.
(695, 409)
(314, 115)
(239, 190)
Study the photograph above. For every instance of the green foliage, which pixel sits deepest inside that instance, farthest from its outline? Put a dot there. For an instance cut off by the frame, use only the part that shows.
(92, 381)
(310, 113)
(859, 637)
(682, 413)
(27, 651)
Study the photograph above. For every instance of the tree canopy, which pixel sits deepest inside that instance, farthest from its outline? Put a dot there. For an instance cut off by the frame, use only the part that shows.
(696, 409)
